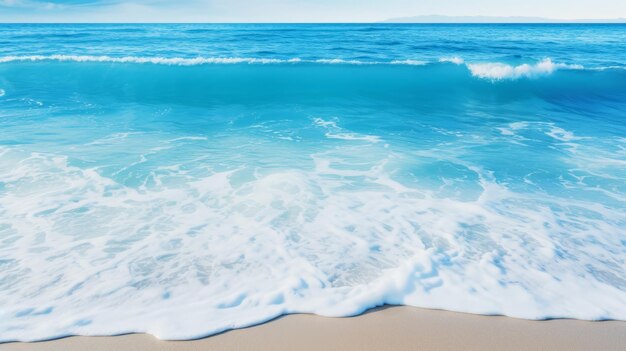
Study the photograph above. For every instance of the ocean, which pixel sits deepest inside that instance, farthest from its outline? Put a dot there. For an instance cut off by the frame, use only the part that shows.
(186, 179)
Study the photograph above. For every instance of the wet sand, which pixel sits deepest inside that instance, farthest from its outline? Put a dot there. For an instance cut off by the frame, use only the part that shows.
(389, 328)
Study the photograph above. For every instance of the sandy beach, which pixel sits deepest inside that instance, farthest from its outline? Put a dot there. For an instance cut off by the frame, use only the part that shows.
(390, 328)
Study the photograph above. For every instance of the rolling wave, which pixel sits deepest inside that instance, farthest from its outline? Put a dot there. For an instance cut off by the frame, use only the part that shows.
(484, 70)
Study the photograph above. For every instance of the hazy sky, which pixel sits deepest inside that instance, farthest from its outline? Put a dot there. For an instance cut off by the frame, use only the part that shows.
(293, 10)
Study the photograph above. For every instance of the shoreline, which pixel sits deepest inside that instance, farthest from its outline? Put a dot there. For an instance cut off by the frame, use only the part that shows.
(383, 328)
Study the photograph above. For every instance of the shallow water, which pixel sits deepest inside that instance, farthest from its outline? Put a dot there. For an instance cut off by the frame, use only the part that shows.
(186, 179)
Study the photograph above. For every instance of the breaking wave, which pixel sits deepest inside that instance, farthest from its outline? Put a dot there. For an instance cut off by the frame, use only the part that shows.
(499, 71)
(490, 70)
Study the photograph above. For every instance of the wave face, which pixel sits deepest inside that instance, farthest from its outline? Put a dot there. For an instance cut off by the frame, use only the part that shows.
(185, 193)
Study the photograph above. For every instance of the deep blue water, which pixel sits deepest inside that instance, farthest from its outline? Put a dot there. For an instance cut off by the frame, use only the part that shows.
(588, 44)
(183, 179)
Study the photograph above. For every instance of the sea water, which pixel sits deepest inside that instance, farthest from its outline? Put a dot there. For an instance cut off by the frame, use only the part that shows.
(182, 180)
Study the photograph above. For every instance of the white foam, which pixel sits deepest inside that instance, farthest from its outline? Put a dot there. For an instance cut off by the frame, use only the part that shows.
(512, 128)
(200, 252)
(353, 136)
(491, 70)
(547, 128)
(454, 59)
(561, 134)
(336, 132)
(178, 61)
(501, 71)
(409, 62)
(2, 92)
(337, 61)
(323, 123)
(604, 68)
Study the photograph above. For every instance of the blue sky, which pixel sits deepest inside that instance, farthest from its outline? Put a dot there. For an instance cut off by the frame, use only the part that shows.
(293, 10)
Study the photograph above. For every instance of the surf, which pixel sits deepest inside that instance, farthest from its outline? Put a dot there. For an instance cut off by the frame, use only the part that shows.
(183, 192)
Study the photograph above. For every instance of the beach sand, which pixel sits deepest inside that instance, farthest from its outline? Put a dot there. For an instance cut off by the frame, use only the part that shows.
(389, 328)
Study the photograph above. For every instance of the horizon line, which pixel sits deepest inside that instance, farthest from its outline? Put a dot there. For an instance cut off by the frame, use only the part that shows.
(417, 19)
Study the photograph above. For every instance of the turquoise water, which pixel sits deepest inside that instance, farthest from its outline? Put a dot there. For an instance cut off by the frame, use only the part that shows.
(186, 179)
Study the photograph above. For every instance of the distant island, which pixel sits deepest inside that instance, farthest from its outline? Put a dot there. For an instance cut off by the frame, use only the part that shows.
(494, 19)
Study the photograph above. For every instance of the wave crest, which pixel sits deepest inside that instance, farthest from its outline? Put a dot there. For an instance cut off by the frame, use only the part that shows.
(500, 71)
(488, 70)
(454, 59)
(178, 61)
